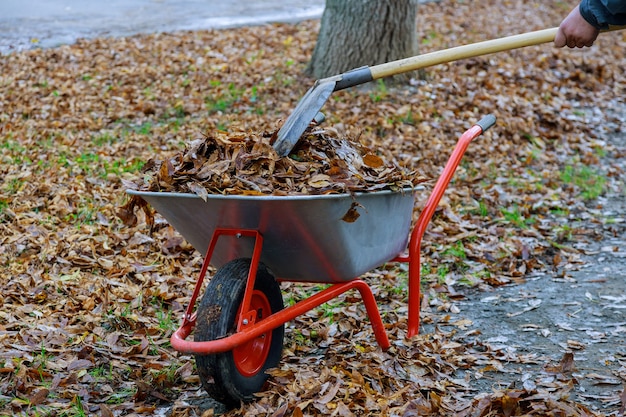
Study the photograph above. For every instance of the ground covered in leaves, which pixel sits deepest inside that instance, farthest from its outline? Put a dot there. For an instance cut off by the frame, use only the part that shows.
(88, 304)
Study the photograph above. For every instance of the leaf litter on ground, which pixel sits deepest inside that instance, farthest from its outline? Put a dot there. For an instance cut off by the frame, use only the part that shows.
(88, 303)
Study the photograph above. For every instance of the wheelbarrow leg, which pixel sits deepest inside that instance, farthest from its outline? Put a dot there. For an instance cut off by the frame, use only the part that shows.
(426, 215)
(372, 312)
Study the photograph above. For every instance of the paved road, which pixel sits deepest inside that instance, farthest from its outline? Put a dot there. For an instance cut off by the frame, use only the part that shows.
(28, 24)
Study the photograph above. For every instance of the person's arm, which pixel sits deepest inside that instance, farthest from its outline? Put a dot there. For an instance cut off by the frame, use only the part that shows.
(604, 13)
(615, 9)
(581, 27)
(575, 31)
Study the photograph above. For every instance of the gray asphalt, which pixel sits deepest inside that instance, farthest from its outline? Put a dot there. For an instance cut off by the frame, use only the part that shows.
(27, 24)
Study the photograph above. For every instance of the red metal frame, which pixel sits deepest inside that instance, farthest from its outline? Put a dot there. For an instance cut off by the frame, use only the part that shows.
(413, 256)
(247, 326)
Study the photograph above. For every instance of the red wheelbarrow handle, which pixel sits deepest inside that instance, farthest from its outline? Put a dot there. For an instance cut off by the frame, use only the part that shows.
(413, 257)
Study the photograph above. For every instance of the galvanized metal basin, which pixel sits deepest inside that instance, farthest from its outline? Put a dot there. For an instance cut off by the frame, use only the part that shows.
(305, 238)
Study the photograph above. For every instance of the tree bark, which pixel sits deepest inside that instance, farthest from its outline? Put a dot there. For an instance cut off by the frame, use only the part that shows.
(354, 33)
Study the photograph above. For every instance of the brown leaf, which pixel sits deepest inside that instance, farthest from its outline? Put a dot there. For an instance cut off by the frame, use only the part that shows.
(509, 405)
(435, 401)
(352, 214)
(79, 364)
(166, 170)
(105, 411)
(39, 396)
(329, 395)
(280, 411)
(567, 363)
(373, 161)
(198, 190)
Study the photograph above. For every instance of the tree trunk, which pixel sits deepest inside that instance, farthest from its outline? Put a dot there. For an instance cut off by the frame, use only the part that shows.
(355, 33)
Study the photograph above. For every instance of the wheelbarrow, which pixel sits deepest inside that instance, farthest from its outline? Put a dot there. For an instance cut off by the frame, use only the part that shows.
(255, 242)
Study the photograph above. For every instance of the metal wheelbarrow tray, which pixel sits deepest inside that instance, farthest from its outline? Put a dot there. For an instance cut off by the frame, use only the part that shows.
(256, 242)
(305, 237)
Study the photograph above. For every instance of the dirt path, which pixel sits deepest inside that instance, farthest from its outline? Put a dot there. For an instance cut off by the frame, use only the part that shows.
(533, 326)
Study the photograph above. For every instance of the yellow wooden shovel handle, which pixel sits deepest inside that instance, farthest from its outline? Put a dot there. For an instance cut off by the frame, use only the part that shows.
(463, 52)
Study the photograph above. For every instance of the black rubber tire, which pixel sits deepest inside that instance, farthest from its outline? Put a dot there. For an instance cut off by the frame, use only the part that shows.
(216, 317)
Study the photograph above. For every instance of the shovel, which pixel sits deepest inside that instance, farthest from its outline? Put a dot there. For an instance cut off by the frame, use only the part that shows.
(314, 99)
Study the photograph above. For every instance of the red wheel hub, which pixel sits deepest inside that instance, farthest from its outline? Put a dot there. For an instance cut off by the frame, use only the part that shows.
(250, 357)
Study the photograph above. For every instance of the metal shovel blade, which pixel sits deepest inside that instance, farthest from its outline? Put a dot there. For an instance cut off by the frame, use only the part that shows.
(303, 114)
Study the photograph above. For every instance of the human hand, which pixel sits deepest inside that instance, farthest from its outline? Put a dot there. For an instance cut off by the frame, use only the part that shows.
(575, 31)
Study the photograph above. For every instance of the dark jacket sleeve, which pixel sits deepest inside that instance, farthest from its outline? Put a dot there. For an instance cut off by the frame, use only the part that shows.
(602, 13)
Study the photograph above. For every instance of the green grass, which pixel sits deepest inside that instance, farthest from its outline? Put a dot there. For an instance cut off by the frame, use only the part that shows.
(104, 139)
(482, 210)
(380, 93)
(515, 216)
(167, 323)
(559, 212)
(14, 185)
(121, 166)
(145, 128)
(87, 162)
(600, 151)
(564, 233)
(77, 410)
(429, 37)
(91, 164)
(483, 274)
(325, 310)
(147, 92)
(63, 160)
(457, 250)
(328, 310)
(12, 146)
(401, 284)
(589, 181)
(223, 100)
(442, 272)
(84, 214)
(299, 338)
(16, 154)
(407, 118)
(102, 372)
(166, 376)
(121, 395)
(42, 357)
(410, 119)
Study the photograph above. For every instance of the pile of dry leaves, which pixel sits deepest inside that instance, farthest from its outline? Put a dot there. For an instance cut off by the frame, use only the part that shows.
(89, 303)
(247, 164)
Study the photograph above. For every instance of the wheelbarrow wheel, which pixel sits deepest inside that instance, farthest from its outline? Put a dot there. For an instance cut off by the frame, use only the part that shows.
(235, 376)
